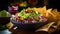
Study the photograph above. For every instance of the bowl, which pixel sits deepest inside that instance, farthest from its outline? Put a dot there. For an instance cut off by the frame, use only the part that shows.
(28, 26)
(4, 20)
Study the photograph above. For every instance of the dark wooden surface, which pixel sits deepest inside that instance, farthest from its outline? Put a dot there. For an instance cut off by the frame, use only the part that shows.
(18, 31)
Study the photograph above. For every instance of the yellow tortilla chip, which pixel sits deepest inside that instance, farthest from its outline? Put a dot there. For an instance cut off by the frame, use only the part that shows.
(48, 11)
(52, 15)
(41, 9)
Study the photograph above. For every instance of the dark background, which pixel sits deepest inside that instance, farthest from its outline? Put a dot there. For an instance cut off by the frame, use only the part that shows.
(51, 4)
(54, 4)
(3, 5)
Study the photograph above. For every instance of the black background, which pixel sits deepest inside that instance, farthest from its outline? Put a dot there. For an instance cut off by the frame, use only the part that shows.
(3, 4)
(54, 4)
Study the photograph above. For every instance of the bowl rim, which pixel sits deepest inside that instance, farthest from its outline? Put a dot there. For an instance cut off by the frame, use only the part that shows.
(14, 21)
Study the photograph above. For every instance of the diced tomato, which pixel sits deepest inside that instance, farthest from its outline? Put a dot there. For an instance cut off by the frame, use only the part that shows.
(31, 19)
(31, 11)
